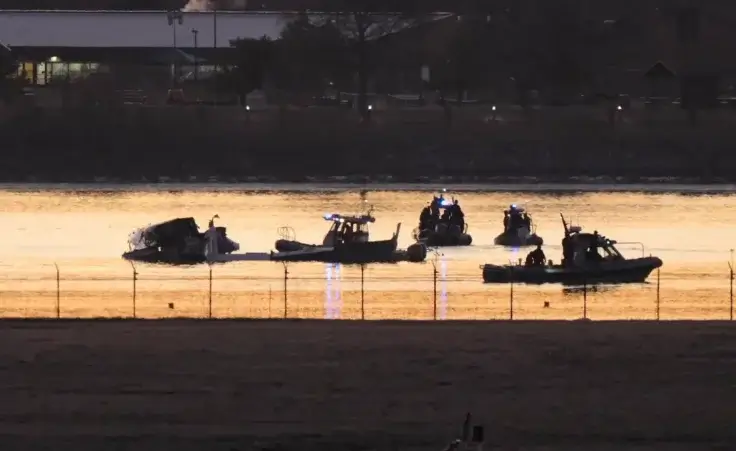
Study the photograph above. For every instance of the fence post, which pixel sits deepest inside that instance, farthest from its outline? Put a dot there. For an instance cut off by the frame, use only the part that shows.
(511, 300)
(135, 279)
(58, 291)
(210, 293)
(658, 298)
(434, 296)
(730, 295)
(362, 291)
(286, 291)
(585, 299)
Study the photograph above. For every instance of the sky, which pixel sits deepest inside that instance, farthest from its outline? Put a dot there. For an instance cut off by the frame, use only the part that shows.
(196, 5)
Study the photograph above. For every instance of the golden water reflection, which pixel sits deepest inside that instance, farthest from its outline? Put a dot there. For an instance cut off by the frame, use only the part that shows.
(84, 233)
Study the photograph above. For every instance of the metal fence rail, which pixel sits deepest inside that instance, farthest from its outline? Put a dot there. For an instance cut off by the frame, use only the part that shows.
(214, 295)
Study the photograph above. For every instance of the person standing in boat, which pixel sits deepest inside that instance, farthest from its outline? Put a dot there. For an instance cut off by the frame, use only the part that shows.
(446, 216)
(593, 255)
(505, 220)
(434, 209)
(514, 217)
(536, 257)
(458, 217)
(425, 218)
(568, 252)
(527, 221)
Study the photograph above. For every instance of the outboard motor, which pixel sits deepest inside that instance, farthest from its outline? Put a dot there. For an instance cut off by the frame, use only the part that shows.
(224, 244)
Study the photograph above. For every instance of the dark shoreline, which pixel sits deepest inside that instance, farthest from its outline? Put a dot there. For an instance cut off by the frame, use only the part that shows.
(211, 145)
(267, 183)
(365, 180)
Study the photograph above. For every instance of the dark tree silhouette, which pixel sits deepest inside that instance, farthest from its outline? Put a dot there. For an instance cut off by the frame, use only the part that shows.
(8, 68)
(94, 4)
(464, 60)
(311, 56)
(253, 60)
(364, 21)
(555, 49)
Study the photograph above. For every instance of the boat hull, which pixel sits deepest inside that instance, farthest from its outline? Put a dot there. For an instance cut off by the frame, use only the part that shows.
(435, 239)
(613, 272)
(353, 253)
(167, 257)
(512, 239)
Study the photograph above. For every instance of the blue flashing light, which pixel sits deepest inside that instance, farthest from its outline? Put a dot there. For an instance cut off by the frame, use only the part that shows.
(445, 202)
(330, 217)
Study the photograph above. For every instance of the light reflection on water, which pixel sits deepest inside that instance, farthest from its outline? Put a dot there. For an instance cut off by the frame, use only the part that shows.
(85, 232)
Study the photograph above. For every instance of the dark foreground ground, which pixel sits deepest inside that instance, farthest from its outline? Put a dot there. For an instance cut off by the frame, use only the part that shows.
(225, 385)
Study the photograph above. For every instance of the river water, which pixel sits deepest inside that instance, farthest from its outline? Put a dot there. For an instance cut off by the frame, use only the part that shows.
(83, 230)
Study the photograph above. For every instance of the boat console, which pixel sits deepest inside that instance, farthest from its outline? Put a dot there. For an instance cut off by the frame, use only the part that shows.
(347, 241)
(347, 229)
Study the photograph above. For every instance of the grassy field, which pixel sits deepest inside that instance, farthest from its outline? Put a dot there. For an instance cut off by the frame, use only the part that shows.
(236, 385)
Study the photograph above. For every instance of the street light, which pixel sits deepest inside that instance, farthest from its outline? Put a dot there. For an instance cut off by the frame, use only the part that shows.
(195, 32)
(214, 40)
(174, 17)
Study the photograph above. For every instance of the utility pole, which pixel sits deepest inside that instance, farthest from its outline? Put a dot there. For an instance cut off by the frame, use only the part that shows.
(195, 32)
(173, 18)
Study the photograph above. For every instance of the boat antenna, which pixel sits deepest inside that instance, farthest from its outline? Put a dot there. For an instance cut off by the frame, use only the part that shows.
(564, 224)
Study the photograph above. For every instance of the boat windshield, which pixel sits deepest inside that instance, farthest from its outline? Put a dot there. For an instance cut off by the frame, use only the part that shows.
(351, 232)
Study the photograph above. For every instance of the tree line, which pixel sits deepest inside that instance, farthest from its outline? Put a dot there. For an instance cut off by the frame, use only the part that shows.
(471, 51)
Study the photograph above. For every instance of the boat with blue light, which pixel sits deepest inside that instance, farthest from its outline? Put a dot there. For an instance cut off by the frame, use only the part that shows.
(442, 223)
(348, 242)
(519, 229)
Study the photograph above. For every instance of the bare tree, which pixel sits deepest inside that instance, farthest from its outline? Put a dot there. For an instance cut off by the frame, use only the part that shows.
(362, 22)
(311, 56)
(253, 61)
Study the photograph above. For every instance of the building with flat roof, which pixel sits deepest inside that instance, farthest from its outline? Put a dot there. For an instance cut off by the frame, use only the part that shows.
(67, 45)
(134, 29)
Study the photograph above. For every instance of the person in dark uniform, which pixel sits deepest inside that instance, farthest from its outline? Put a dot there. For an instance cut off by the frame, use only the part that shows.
(536, 257)
(593, 254)
(458, 217)
(568, 253)
(434, 208)
(425, 218)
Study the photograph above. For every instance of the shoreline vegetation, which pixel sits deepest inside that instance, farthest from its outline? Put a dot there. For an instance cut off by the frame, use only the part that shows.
(325, 144)
(238, 384)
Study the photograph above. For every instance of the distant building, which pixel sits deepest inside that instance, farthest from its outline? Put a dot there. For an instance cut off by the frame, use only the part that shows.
(70, 44)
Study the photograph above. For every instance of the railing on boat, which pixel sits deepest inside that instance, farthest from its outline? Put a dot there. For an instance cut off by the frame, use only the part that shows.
(286, 233)
(634, 243)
